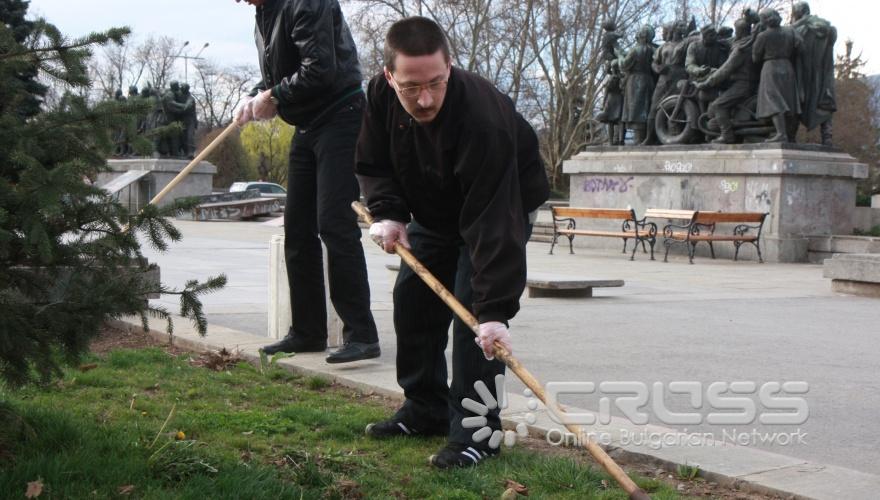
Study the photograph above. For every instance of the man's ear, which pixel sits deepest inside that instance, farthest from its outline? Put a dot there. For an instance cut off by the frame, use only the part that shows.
(387, 75)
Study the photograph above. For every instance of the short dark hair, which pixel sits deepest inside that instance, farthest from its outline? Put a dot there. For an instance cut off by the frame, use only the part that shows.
(414, 36)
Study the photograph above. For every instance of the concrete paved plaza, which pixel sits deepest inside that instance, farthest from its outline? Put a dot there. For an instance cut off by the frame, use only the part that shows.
(714, 321)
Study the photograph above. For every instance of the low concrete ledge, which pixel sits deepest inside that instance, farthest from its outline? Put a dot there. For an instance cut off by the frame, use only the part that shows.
(854, 267)
(855, 274)
(560, 286)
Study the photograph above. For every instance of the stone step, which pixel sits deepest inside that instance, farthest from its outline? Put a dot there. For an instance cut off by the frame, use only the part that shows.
(843, 244)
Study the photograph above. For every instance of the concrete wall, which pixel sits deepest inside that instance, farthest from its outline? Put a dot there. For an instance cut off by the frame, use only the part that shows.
(198, 183)
(806, 190)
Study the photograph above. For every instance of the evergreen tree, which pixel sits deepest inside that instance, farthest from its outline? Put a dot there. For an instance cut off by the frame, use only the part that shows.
(70, 257)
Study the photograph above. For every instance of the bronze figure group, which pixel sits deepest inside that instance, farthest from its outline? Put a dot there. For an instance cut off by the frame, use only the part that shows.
(170, 123)
(757, 82)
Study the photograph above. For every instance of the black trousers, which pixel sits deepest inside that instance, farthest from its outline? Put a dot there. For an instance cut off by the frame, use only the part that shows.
(421, 322)
(321, 187)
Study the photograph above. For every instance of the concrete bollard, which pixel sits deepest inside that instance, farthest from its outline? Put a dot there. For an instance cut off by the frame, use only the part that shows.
(279, 296)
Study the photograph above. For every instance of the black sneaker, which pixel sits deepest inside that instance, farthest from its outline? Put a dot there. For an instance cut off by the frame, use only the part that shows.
(460, 455)
(392, 428)
(293, 343)
(355, 351)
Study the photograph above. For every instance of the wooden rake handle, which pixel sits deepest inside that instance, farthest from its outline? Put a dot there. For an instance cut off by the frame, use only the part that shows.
(515, 366)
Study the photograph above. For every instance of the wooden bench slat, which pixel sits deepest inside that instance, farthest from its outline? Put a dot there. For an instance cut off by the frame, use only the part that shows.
(609, 234)
(713, 217)
(724, 237)
(592, 213)
(713, 237)
(662, 213)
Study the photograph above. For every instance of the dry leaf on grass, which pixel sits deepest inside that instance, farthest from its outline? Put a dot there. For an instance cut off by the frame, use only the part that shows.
(34, 489)
(88, 367)
(349, 489)
(520, 489)
(125, 490)
(509, 494)
(218, 360)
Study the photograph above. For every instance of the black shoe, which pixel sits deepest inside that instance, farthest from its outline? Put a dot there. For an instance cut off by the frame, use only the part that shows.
(461, 455)
(292, 343)
(393, 428)
(355, 351)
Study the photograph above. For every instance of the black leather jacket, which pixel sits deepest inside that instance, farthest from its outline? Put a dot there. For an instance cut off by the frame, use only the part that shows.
(307, 57)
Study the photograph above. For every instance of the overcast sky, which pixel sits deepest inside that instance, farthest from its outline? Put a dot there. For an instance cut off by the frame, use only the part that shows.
(228, 26)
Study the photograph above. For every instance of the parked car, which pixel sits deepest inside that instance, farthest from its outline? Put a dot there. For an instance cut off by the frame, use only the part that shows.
(266, 189)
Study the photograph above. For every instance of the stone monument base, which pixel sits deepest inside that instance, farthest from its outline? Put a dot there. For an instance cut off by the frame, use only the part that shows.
(805, 189)
(199, 182)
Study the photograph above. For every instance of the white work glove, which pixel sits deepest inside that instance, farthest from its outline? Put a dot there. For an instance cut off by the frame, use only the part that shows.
(491, 332)
(244, 112)
(388, 232)
(263, 107)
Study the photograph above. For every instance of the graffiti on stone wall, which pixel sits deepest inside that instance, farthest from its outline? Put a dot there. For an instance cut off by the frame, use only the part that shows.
(236, 210)
(677, 167)
(728, 187)
(607, 184)
(758, 196)
(794, 193)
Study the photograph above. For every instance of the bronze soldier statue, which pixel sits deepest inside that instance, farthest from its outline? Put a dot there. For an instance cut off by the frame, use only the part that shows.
(610, 38)
(170, 142)
(639, 86)
(612, 109)
(777, 48)
(738, 77)
(189, 119)
(815, 74)
(669, 65)
(703, 56)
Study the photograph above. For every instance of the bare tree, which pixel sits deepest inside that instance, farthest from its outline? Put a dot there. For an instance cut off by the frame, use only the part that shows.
(218, 90)
(565, 95)
(719, 12)
(158, 55)
(115, 68)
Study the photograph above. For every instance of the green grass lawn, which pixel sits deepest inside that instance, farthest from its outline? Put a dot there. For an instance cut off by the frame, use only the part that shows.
(247, 435)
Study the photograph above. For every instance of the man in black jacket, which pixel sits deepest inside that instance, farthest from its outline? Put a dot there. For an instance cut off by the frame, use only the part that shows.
(446, 152)
(312, 79)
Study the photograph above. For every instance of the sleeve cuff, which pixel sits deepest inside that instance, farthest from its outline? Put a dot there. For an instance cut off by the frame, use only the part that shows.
(276, 92)
(493, 316)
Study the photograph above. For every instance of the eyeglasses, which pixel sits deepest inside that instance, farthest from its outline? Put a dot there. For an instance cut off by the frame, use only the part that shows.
(415, 90)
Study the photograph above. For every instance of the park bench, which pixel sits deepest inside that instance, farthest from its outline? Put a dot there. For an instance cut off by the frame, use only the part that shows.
(564, 224)
(700, 226)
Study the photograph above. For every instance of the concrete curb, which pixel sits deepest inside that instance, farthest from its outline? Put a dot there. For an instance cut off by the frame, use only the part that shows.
(747, 469)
